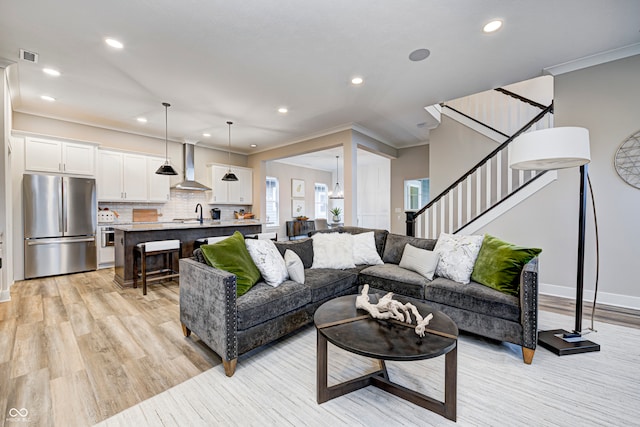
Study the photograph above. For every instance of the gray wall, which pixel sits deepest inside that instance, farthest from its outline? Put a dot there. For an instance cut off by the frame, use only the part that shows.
(604, 99)
(453, 150)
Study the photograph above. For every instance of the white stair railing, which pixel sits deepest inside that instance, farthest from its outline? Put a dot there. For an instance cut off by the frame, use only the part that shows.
(482, 188)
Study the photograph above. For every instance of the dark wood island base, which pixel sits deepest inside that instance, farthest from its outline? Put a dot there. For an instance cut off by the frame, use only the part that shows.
(128, 236)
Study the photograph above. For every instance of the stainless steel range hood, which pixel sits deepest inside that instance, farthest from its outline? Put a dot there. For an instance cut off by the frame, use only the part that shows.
(190, 182)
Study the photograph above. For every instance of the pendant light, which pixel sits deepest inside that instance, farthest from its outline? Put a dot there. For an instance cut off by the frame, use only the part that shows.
(166, 168)
(337, 191)
(229, 176)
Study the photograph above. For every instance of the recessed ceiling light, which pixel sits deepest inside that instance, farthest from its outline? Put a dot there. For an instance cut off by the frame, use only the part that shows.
(419, 54)
(48, 98)
(492, 26)
(114, 43)
(206, 135)
(141, 120)
(51, 72)
(357, 80)
(253, 145)
(283, 110)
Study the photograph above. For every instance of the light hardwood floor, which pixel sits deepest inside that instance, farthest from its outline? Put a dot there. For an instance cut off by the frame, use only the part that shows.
(77, 349)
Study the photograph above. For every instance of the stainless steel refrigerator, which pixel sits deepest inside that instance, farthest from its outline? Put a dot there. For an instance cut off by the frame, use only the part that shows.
(59, 225)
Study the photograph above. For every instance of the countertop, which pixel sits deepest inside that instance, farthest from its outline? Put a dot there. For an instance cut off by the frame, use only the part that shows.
(148, 226)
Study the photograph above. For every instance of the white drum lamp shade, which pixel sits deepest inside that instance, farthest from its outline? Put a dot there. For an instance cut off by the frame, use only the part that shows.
(553, 148)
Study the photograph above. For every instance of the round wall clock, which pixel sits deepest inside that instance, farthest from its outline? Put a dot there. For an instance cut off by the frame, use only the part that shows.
(627, 160)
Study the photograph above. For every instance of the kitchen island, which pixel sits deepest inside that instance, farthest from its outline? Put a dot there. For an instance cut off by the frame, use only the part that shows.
(127, 236)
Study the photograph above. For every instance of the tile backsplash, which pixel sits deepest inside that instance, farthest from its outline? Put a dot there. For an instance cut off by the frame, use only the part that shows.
(182, 205)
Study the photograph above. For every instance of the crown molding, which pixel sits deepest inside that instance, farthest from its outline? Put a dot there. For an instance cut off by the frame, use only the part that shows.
(591, 60)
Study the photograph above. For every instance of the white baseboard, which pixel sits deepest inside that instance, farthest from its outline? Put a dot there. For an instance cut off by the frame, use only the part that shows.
(617, 300)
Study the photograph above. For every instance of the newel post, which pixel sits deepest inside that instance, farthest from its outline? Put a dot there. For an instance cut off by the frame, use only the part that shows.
(411, 223)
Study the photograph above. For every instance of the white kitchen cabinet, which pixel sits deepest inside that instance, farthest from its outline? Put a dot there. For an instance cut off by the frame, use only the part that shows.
(45, 155)
(231, 192)
(135, 177)
(219, 188)
(158, 190)
(241, 191)
(109, 178)
(130, 177)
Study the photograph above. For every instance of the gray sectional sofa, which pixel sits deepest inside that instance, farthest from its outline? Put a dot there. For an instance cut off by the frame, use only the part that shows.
(232, 325)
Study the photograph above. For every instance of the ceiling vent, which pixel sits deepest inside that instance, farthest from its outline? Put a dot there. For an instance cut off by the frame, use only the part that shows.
(25, 55)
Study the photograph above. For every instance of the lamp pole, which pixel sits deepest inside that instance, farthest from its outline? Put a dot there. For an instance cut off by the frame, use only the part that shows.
(559, 341)
(582, 224)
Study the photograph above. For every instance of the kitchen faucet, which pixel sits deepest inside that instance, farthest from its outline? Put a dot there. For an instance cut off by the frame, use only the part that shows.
(200, 217)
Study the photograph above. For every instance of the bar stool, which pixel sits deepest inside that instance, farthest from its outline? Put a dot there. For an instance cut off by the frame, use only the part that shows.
(262, 236)
(166, 248)
(208, 241)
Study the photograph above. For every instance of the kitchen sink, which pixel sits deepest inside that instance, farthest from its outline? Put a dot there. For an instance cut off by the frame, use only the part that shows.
(186, 220)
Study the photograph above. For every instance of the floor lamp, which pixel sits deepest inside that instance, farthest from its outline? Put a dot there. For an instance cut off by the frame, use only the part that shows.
(560, 148)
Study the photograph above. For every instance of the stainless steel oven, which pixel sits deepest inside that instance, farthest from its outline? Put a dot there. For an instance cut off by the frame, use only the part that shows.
(107, 237)
(106, 250)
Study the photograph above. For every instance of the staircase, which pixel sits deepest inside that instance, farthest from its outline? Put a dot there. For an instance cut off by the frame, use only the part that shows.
(490, 187)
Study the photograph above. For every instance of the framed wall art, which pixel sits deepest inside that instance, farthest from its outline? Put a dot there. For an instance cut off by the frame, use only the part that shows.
(627, 160)
(297, 208)
(297, 187)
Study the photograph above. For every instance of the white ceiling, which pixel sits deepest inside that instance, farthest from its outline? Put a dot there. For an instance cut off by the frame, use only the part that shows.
(221, 60)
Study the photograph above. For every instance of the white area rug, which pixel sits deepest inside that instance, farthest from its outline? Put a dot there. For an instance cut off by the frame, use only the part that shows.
(277, 386)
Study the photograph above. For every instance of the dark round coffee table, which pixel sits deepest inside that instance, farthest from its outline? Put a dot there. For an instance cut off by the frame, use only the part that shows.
(339, 322)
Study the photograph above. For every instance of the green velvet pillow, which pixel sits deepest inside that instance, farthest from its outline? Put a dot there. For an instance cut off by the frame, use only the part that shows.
(499, 264)
(232, 255)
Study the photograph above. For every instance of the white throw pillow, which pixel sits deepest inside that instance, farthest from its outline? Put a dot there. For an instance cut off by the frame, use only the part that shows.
(364, 249)
(295, 267)
(266, 257)
(421, 261)
(457, 256)
(332, 250)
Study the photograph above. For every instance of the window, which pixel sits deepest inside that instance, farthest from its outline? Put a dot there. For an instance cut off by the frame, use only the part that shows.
(272, 202)
(416, 193)
(322, 197)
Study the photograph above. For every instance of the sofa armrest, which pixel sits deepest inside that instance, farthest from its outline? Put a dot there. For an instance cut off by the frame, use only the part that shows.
(529, 304)
(208, 306)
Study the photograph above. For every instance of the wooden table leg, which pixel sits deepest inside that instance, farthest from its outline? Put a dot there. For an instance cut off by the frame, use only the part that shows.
(322, 394)
(451, 383)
